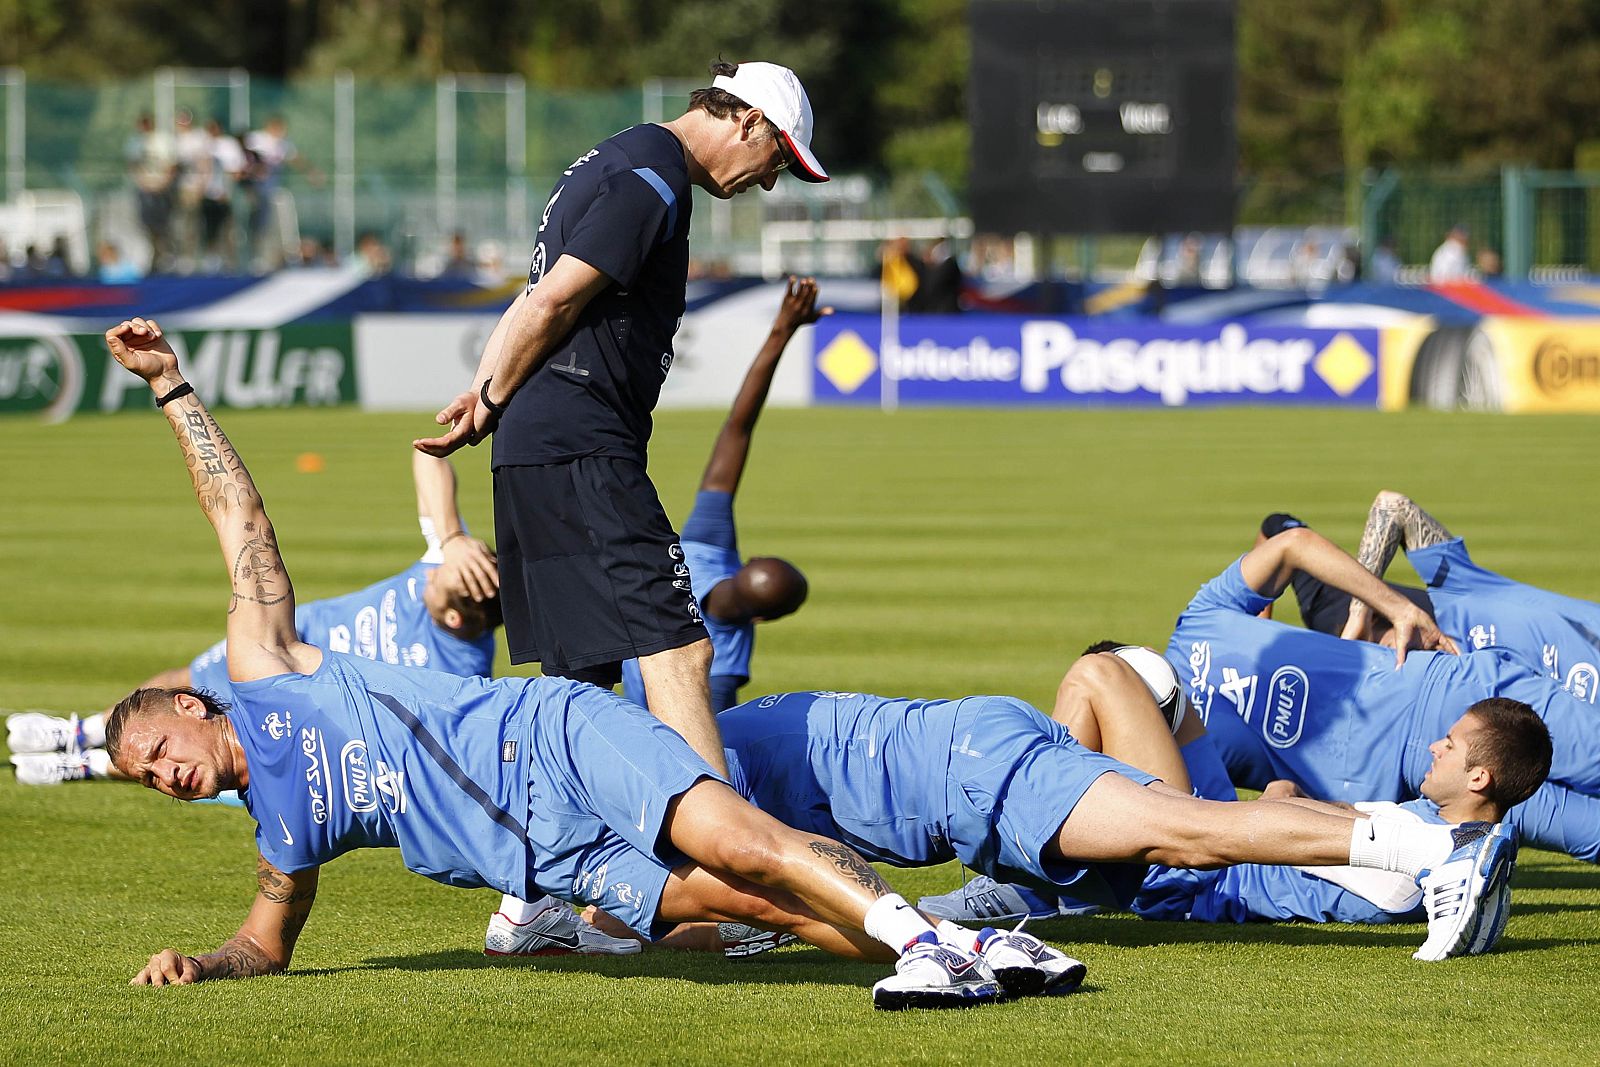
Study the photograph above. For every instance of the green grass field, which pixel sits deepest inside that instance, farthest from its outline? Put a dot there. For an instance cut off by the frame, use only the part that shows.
(949, 553)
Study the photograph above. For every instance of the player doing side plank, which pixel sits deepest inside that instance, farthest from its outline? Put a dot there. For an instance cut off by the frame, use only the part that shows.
(526, 785)
(993, 782)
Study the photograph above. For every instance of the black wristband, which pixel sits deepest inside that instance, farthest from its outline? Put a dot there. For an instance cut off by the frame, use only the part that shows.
(183, 390)
(496, 410)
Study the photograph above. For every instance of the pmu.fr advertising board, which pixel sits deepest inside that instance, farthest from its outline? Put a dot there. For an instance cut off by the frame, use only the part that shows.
(1000, 360)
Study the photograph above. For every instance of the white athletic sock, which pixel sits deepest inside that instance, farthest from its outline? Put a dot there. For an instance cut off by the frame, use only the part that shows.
(522, 911)
(94, 730)
(99, 761)
(1406, 848)
(957, 936)
(895, 923)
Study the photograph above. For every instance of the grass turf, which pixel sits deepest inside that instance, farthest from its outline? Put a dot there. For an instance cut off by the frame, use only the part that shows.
(949, 553)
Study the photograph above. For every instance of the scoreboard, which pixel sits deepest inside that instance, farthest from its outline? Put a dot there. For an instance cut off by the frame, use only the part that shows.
(1102, 116)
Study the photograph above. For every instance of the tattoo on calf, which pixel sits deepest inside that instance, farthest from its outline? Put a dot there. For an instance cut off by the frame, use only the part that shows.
(849, 863)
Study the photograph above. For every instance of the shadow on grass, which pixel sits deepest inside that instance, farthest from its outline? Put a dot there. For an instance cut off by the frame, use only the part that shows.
(1564, 877)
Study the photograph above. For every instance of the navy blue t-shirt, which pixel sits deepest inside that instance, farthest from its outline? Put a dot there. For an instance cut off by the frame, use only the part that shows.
(623, 208)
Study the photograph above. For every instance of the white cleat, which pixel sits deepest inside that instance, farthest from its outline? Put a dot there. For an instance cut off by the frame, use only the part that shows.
(741, 941)
(50, 768)
(1464, 897)
(1026, 966)
(931, 975)
(555, 931)
(35, 731)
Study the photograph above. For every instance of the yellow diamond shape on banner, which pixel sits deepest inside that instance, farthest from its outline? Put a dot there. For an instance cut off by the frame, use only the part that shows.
(1344, 364)
(847, 362)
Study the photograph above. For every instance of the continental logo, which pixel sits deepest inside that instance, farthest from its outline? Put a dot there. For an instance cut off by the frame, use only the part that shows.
(1558, 368)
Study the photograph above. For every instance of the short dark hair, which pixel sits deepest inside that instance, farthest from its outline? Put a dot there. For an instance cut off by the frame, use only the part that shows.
(1514, 744)
(140, 701)
(721, 104)
(1104, 646)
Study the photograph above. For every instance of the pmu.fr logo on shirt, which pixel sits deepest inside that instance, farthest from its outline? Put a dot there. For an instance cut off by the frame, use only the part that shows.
(1288, 694)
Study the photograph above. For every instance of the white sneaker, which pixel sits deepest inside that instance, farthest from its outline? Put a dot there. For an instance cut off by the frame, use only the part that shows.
(931, 975)
(740, 941)
(1026, 966)
(555, 931)
(50, 768)
(35, 731)
(1461, 895)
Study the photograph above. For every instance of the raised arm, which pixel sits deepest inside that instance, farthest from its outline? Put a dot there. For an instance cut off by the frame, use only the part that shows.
(532, 328)
(1395, 521)
(728, 455)
(468, 561)
(263, 945)
(261, 633)
(1268, 567)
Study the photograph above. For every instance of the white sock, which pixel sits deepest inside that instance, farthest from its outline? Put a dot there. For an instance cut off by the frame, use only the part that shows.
(99, 761)
(1404, 847)
(94, 730)
(894, 922)
(957, 936)
(522, 911)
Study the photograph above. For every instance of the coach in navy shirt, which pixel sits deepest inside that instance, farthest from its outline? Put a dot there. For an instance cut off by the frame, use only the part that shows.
(592, 573)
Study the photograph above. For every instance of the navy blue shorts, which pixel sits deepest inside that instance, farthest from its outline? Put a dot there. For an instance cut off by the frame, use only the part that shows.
(591, 572)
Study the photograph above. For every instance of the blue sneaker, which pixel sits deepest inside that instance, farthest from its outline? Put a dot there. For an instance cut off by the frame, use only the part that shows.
(1466, 896)
(984, 900)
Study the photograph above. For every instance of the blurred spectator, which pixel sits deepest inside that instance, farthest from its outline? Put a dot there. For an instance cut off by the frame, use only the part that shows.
(114, 268)
(273, 151)
(152, 165)
(898, 271)
(372, 256)
(940, 290)
(1385, 263)
(1303, 265)
(58, 264)
(994, 257)
(192, 153)
(1187, 271)
(224, 163)
(1451, 261)
(460, 263)
(33, 264)
(1348, 268)
(312, 254)
(491, 263)
(1488, 262)
(5, 263)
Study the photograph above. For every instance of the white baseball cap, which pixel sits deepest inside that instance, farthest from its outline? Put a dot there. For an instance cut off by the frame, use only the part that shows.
(781, 97)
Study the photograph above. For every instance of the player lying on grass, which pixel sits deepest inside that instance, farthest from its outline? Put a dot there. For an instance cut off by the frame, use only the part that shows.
(733, 595)
(527, 785)
(1492, 758)
(1472, 603)
(736, 594)
(995, 783)
(1352, 721)
(441, 613)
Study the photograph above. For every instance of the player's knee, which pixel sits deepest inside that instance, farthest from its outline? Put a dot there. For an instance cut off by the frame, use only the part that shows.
(1179, 835)
(753, 853)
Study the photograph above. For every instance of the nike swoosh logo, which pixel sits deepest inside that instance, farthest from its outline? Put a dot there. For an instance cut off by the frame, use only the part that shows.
(644, 811)
(288, 838)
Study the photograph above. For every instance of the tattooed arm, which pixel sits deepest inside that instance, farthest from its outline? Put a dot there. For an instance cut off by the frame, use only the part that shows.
(261, 634)
(263, 945)
(1394, 522)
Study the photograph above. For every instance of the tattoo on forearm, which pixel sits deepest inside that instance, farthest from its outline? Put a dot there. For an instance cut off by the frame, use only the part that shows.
(851, 865)
(236, 958)
(279, 888)
(1395, 520)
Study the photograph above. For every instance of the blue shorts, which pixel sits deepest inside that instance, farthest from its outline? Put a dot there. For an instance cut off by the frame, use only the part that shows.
(601, 775)
(209, 671)
(1015, 776)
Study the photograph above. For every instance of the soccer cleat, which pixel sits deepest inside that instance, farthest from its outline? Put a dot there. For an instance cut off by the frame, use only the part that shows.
(50, 768)
(1462, 896)
(35, 731)
(1026, 966)
(741, 941)
(984, 900)
(931, 975)
(555, 931)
